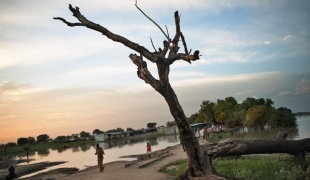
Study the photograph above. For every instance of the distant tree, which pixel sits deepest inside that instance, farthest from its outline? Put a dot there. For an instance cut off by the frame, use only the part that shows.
(60, 138)
(31, 140)
(84, 134)
(284, 118)
(75, 135)
(249, 102)
(116, 130)
(9, 144)
(120, 129)
(151, 125)
(206, 113)
(259, 116)
(22, 141)
(129, 129)
(97, 131)
(192, 118)
(42, 138)
(261, 101)
(269, 102)
(170, 123)
(224, 109)
(237, 118)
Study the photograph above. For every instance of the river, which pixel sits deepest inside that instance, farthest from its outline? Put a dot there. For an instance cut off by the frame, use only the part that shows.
(300, 132)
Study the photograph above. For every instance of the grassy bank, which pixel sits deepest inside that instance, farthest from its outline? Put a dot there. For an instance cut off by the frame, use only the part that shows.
(252, 167)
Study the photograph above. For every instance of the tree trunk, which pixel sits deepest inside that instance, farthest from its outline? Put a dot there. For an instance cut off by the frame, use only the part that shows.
(196, 164)
(231, 147)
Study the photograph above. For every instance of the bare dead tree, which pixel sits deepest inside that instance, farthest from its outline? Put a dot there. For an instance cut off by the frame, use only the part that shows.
(197, 165)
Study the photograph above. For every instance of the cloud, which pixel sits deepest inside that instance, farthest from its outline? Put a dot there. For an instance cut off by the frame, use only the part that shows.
(244, 92)
(303, 87)
(286, 37)
(267, 42)
(100, 70)
(284, 93)
(221, 79)
(11, 88)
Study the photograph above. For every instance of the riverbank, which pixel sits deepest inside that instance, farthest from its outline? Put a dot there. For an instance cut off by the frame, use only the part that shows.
(142, 168)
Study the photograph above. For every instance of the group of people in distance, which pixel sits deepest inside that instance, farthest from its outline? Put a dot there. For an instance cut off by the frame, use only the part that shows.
(204, 132)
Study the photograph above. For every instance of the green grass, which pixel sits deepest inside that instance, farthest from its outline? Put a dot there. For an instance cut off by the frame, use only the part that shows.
(216, 137)
(175, 169)
(251, 168)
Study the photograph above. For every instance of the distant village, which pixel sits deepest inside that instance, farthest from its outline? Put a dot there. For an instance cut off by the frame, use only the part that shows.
(106, 136)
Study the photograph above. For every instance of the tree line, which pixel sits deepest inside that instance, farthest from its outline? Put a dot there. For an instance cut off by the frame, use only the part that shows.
(83, 134)
(251, 113)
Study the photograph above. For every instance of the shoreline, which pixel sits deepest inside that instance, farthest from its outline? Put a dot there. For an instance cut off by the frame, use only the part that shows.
(123, 166)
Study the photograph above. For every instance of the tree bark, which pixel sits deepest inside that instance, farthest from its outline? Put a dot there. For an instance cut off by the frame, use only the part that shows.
(231, 147)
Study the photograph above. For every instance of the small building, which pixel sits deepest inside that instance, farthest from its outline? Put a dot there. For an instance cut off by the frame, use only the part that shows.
(171, 130)
(197, 125)
(115, 135)
(99, 137)
(161, 129)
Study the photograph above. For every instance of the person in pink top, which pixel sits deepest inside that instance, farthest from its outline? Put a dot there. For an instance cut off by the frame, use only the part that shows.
(148, 149)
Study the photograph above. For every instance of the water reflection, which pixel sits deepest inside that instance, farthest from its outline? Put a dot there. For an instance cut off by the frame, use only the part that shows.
(75, 149)
(299, 132)
(85, 147)
(263, 134)
(44, 152)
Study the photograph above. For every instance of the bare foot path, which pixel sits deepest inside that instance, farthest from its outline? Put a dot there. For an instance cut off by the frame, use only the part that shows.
(117, 170)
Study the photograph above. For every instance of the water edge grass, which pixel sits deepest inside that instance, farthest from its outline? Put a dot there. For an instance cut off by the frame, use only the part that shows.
(254, 167)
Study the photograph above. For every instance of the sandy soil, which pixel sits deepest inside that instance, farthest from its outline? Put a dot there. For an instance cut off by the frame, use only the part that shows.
(117, 170)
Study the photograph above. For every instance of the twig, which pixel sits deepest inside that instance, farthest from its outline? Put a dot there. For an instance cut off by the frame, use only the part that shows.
(168, 34)
(184, 43)
(152, 21)
(68, 23)
(153, 44)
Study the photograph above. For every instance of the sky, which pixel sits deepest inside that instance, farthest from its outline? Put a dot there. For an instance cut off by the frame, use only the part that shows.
(60, 80)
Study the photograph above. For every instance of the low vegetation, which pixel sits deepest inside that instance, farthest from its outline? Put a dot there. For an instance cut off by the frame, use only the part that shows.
(275, 167)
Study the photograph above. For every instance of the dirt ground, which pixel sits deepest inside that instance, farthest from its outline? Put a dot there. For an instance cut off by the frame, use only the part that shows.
(117, 170)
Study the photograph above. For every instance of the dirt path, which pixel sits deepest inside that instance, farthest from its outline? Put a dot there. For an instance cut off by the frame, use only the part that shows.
(117, 170)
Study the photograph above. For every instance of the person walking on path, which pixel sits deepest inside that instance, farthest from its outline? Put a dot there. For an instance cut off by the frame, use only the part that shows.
(148, 149)
(100, 153)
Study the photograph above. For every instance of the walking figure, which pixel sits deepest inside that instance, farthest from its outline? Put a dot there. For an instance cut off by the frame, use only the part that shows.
(100, 153)
(148, 149)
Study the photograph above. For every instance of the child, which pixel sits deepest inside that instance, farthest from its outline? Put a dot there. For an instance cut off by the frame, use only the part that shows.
(148, 149)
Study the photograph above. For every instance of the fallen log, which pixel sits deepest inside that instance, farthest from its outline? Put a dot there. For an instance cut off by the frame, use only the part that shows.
(230, 147)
